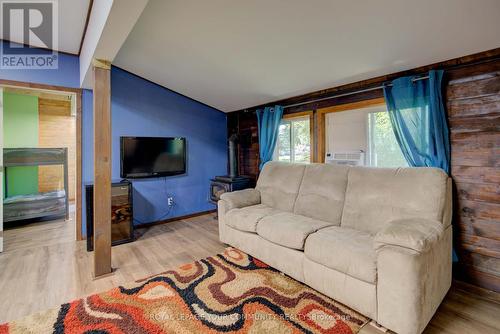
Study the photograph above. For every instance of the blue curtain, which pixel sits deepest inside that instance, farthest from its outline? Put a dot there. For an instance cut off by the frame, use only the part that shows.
(418, 119)
(268, 121)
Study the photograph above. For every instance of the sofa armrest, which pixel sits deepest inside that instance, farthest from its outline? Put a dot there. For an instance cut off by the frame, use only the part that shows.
(241, 198)
(414, 233)
(413, 273)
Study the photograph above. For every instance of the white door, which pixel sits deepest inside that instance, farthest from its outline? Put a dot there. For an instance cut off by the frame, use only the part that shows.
(1, 169)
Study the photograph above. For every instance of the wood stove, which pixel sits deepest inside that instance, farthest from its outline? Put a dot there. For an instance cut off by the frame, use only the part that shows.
(223, 184)
(232, 182)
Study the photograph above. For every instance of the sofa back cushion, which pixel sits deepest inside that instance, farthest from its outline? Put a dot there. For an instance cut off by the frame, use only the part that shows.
(375, 196)
(322, 192)
(279, 184)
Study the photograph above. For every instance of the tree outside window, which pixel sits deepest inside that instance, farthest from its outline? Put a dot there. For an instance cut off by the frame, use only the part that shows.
(384, 150)
(294, 141)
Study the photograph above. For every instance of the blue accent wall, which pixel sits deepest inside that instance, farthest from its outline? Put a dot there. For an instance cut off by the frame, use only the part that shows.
(87, 150)
(141, 108)
(67, 74)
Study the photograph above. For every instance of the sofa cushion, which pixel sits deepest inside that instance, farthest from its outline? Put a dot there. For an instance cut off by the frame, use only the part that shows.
(343, 249)
(376, 196)
(322, 191)
(279, 184)
(288, 229)
(246, 219)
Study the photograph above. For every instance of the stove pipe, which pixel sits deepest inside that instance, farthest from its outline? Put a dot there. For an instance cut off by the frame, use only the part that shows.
(233, 162)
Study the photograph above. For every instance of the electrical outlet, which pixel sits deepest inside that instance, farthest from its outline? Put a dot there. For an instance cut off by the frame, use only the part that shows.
(170, 201)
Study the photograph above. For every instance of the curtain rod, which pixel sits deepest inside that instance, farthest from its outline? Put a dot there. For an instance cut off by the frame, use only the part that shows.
(349, 93)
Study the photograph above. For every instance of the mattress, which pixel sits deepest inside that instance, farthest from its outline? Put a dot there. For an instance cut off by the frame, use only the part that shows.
(35, 197)
(35, 205)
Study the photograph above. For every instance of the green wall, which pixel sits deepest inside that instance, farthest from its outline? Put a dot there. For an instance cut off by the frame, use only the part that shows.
(20, 129)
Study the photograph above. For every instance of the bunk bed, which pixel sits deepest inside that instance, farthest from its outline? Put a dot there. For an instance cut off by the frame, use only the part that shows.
(54, 203)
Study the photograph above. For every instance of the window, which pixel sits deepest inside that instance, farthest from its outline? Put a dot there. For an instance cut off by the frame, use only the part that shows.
(383, 149)
(366, 130)
(294, 140)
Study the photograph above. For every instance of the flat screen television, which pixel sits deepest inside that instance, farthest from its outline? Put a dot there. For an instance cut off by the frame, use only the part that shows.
(152, 156)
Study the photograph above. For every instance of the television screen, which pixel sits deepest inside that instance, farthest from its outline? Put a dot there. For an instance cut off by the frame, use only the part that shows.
(152, 156)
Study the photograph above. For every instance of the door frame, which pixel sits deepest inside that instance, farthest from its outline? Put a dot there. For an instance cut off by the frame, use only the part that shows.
(78, 95)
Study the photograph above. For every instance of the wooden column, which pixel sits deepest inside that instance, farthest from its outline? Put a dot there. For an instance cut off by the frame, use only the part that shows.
(102, 168)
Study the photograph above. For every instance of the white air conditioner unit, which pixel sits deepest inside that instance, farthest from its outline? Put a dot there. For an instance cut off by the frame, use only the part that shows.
(354, 158)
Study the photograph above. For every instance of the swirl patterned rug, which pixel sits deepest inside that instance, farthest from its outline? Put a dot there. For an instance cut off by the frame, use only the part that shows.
(229, 292)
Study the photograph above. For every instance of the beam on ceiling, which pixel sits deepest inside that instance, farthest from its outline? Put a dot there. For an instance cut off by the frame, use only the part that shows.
(110, 23)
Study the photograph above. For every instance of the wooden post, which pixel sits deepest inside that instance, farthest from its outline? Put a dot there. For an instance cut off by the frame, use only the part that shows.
(102, 168)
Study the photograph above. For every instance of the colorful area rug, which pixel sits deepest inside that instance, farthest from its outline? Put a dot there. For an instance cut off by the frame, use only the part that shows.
(230, 292)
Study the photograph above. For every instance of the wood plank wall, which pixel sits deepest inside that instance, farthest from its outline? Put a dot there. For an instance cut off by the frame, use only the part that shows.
(57, 128)
(474, 117)
(472, 86)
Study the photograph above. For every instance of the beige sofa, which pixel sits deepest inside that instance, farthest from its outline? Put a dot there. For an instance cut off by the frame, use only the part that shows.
(375, 239)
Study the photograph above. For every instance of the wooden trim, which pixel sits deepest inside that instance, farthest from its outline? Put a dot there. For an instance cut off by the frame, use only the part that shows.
(169, 220)
(41, 93)
(298, 114)
(312, 140)
(78, 93)
(320, 119)
(321, 136)
(14, 83)
(353, 105)
(89, 10)
(102, 171)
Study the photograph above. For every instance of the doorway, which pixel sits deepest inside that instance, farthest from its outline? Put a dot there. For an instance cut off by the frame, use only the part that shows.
(41, 181)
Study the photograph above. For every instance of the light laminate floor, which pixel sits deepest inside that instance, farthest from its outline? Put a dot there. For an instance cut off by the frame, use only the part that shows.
(42, 267)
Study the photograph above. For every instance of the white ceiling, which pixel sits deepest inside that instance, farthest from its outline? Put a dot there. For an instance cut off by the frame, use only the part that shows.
(237, 54)
(72, 15)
